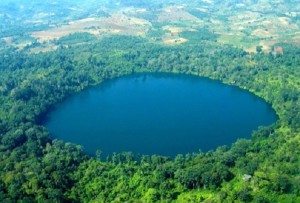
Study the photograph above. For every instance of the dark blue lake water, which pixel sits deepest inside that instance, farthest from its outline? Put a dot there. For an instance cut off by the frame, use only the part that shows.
(162, 114)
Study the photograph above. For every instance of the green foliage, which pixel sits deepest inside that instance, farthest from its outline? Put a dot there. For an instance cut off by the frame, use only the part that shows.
(35, 168)
(199, 14)
(199, 35)
(259, 49)
(76, 38)
(156, 33)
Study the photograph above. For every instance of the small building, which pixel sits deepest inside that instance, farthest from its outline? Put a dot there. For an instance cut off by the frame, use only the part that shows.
(277, 51)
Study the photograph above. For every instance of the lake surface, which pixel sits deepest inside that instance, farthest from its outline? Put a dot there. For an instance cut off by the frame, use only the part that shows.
(164, 114)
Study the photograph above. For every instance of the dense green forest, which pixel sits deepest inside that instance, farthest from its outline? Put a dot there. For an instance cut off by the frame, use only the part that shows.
(36, 168)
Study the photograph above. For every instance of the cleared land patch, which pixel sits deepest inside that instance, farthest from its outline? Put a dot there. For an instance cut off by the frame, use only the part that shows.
(175, 14)
(116, 24)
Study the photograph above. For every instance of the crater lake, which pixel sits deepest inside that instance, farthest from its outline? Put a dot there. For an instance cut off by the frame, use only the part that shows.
(158, 113)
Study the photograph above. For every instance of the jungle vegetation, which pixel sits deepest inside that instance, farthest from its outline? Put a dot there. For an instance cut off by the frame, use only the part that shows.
(35, 167)
(35, 75)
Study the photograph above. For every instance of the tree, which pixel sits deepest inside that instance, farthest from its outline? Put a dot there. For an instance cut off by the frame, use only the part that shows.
(259, 49)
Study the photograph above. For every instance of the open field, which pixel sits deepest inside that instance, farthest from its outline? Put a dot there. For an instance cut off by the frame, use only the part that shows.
(116, 24)
(174, 14)
(245, 25)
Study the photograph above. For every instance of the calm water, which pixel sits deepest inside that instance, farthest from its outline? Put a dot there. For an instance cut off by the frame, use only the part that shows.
(162, 114)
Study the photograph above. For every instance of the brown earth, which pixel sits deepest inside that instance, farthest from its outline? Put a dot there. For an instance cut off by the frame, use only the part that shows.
(116, 24)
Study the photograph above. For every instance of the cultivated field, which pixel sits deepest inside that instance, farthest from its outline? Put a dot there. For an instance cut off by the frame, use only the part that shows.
(245, 25)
